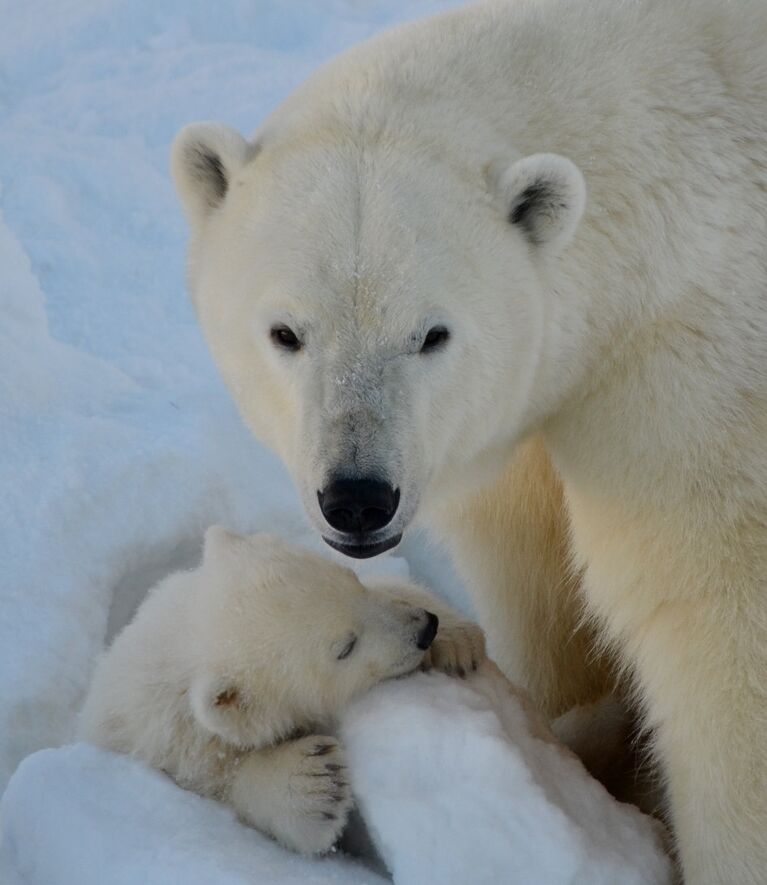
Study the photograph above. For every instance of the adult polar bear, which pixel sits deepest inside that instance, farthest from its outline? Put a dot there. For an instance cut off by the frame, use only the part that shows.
(403, 283)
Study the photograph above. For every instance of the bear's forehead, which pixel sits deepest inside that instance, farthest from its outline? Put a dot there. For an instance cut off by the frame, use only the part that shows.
(345, 191)
(358, 238)
(320, 279)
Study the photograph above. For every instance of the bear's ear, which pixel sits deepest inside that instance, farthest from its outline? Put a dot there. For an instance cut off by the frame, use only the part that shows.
(219, 706)
(204, 159)
(543, 195)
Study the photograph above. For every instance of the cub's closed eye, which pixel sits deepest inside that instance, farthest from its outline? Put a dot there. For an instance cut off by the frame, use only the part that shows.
(436, 337)
(347, 649)
(285, 338)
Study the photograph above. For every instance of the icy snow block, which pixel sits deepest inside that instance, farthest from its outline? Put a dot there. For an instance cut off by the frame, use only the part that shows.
(459, 781)
(84, 816)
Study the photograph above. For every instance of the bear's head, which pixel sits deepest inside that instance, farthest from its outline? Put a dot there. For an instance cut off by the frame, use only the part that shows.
(285, 639)
(377, 307)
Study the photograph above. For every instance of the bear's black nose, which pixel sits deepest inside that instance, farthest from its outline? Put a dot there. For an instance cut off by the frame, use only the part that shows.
(358, 506)
(426, 636)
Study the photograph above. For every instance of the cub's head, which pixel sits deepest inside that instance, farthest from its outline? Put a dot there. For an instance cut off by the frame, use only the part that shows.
(376, 307)
(285, 638)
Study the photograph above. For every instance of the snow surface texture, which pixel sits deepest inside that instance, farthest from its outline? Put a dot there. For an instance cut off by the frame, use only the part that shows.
(119, 444)
(109, 820)
(457, 782)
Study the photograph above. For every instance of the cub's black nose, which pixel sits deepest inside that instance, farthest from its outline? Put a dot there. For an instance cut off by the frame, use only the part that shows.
(358, 506)
(426, 636)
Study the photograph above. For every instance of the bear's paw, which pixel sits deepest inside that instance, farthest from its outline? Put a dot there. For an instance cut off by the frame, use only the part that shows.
(458, 649)
(320, 797)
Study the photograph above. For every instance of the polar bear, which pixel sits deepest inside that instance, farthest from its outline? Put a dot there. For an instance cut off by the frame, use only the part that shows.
(504, 272)
(230, 676)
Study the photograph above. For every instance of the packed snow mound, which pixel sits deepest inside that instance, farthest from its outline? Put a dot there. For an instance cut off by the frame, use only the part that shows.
(458, 782)
(461, 782)
(83, 816)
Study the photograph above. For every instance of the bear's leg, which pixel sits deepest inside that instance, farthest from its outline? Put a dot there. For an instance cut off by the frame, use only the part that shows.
(511, 546)
(296, 792)
(702, 664)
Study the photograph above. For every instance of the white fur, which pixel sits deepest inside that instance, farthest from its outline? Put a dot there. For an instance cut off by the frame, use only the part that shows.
(634, 344)
(224, 666)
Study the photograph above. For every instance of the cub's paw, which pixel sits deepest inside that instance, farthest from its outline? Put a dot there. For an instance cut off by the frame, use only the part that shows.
(319, 795)
(458, 648)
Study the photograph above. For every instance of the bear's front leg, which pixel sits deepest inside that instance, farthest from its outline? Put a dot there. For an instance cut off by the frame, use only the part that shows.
(511, 544)
(297, 792)
(702, 664)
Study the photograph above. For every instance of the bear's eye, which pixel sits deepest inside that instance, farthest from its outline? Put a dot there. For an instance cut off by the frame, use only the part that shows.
(347, 649)
(435, 337)
(285, 338)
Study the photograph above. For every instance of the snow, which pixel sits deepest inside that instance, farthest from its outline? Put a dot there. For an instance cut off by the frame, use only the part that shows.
(118, 442)
(109, 819)
(457, 779)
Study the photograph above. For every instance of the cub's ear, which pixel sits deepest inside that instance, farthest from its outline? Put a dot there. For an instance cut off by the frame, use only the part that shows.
(543, 195)
(204, 159)
(220, 708)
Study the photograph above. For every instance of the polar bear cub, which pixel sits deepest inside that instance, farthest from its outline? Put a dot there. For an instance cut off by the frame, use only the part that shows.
(231, 675)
